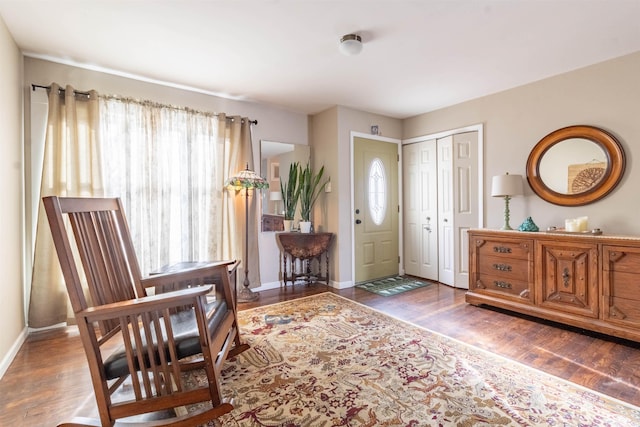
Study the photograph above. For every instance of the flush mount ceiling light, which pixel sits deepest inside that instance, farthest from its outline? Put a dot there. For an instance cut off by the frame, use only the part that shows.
(350, 44)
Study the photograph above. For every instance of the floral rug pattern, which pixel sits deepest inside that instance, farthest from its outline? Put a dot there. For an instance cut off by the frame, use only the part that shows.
(339, 363)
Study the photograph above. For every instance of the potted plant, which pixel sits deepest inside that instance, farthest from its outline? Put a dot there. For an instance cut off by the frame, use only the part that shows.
(310, 189)
(290, 194)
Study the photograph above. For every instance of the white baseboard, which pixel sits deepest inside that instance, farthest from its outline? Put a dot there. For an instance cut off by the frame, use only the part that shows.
(341, 285)
(266, 286)
(8, 358)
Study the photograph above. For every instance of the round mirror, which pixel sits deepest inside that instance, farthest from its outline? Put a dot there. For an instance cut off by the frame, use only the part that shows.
(575, 165)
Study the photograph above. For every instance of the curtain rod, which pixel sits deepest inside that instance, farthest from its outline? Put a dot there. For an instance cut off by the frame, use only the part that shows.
(77, 92)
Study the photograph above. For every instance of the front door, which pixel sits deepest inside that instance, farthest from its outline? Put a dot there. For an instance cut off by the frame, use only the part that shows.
(375, 168)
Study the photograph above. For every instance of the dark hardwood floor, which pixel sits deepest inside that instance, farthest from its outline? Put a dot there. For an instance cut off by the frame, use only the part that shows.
(48, 380)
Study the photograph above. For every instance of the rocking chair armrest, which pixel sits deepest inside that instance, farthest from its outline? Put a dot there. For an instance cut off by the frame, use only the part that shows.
(192, 296)
(192, 273)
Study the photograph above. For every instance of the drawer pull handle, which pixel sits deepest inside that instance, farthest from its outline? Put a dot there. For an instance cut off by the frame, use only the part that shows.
(501, 284)
(502, 267)
(502, 249)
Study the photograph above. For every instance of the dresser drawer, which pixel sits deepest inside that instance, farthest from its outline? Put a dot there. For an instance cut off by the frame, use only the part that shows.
(508, 268)
(517, 249)
(515, 289)
(621, 285)
(622, 311)
(621, 259)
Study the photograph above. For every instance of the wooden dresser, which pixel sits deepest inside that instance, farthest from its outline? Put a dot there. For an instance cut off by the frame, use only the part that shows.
(588, 281)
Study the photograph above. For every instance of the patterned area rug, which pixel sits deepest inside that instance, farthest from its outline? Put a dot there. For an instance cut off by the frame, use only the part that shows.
(339, 363)
(392, 285)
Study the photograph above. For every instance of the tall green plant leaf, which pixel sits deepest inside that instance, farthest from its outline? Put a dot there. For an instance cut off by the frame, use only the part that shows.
(291, 191)
(310, 189)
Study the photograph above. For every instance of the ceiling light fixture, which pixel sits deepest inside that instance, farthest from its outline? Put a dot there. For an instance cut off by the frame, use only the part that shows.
(350, 44)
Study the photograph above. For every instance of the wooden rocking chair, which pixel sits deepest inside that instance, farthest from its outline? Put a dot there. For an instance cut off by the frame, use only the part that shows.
(188, 322)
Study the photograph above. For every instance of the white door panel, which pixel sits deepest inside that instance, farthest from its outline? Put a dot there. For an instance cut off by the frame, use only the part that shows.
(446, 196)
(420, 209)
(466, 214)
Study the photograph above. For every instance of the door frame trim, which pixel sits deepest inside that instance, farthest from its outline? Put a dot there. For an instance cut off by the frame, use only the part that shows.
(398, 142)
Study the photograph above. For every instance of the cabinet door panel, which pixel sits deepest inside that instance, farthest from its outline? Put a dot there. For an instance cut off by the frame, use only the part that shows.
(567, 276)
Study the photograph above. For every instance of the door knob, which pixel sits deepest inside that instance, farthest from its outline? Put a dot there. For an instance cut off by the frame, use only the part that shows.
(358, 221)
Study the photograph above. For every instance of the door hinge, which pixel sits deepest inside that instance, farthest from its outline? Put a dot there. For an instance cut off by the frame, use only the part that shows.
(398, 259)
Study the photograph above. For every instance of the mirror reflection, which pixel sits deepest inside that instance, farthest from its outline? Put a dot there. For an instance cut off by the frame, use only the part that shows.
(573, 166)
(275, 159)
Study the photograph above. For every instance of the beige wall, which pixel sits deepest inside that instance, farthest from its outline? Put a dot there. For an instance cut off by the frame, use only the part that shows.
(323, 131)
(606, 95)
(11, 187)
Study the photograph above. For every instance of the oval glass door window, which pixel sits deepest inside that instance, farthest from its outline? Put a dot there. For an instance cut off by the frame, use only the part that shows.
(377, 191)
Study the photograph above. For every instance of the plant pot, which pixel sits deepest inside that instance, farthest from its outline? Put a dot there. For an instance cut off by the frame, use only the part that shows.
(305, 226)
(288, 223)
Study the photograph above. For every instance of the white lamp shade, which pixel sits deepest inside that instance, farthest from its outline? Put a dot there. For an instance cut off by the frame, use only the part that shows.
(506, 185)
(275, 196)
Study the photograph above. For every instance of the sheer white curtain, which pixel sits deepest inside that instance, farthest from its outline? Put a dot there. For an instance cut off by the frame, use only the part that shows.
(168, 165)
(72, 167)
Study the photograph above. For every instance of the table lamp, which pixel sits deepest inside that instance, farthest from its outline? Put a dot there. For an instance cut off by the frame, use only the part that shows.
(275, 196)
(506, 186)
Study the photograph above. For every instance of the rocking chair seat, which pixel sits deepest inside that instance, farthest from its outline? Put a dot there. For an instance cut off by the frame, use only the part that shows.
(185, 333)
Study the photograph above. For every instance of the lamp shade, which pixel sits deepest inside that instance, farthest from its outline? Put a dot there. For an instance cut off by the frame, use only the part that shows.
(506, 185)
(246, 179)
(275, 196)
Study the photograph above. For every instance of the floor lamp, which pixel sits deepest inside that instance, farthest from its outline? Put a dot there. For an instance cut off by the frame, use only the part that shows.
(248, 180)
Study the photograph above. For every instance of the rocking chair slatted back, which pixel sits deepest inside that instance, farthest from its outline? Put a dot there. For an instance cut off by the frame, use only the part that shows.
(112, 273)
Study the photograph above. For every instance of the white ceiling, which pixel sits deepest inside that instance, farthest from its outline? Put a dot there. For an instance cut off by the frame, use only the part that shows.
(418, 56)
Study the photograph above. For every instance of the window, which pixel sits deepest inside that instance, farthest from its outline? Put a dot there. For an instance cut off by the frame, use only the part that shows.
(165, 164)
(377, 191)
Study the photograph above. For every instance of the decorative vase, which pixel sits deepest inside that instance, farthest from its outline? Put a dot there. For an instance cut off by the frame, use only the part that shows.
(528, 225)
(287, 224)
(305, 226)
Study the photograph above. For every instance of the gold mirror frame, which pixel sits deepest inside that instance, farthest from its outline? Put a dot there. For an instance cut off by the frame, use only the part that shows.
(612, 175)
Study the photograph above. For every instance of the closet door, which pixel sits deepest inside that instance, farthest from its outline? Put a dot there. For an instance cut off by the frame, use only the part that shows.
(466, 212)
(446, 247)
(441, 202)
(420, 185)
